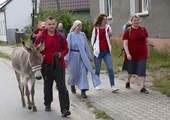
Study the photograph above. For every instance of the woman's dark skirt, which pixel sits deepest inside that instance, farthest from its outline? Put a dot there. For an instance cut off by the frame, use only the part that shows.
(137, 67)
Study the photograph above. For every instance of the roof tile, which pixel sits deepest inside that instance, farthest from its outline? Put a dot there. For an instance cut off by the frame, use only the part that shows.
(72, 5)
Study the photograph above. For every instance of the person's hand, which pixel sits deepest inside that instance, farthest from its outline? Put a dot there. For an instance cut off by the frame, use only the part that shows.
(57, 55)
(110, 33)
(91, 60)
(129, 57)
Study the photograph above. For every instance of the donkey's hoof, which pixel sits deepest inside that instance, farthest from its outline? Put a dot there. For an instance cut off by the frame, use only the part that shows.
(34, 109)
(23, 105)
(29, 107)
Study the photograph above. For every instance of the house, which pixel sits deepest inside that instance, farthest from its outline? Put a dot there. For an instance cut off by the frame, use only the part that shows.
(14, 16)
(154, 14)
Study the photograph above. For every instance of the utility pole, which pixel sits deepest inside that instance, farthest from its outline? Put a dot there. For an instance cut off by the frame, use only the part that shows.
(34, 14)
(58, 7)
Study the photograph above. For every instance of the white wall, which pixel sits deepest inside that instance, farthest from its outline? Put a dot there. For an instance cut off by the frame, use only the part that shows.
(18, 14)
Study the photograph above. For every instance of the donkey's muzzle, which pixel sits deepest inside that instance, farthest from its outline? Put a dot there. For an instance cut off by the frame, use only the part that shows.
(38, 77)
(37, 71)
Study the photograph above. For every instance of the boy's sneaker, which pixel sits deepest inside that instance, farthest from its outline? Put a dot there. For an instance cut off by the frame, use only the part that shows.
(143, 90)
(98, 87)
(114, 89)
(127, 85)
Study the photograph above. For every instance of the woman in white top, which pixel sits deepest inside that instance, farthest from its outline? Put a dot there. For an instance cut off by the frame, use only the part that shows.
(100, 41)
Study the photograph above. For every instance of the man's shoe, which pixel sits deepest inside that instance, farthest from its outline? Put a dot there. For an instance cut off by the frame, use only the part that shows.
(127, 85)
(66, 113)
(47, 108)
(143, 90)
(73, 89)
(114, 89)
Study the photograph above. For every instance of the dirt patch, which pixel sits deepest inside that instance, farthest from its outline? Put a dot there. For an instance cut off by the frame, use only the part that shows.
(160, 44)
(134, 79)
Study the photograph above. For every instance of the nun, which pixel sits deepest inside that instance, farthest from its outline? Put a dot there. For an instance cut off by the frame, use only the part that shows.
(78, 60)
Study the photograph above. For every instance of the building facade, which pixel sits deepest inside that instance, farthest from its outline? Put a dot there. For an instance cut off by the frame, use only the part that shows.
(154, 14)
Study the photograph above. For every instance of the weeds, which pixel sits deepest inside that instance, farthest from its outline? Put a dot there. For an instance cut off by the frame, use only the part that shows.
(158, 59)
(101, 114)
(162, 83)
(3, 55)
(98, 113)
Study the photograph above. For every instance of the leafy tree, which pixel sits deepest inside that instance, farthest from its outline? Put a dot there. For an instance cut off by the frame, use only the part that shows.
(67, 18)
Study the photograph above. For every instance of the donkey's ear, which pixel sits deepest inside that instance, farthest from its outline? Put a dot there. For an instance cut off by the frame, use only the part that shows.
(41, 46)
(25, 47)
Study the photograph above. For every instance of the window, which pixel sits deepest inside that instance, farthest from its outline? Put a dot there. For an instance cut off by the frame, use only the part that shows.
(106, 7)
(139, 7)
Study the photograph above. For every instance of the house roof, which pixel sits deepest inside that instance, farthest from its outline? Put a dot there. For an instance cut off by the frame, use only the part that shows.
(2, 5)
(72, 5)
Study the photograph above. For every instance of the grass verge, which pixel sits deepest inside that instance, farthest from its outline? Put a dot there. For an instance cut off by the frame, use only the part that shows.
(3, 55)
(162, 83)
(98, 113)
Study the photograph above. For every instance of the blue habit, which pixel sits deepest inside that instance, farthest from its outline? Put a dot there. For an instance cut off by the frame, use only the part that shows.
(78, 59)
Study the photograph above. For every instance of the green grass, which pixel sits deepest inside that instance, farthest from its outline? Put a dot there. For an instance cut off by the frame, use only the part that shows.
(3, 55)
(162, 83)
(89, 105)
(101, 114)
(98, 113)
(158, 59)
(3, 44)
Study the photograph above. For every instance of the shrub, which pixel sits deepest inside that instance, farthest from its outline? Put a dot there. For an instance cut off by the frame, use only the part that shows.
(87, 29)
(67, 18)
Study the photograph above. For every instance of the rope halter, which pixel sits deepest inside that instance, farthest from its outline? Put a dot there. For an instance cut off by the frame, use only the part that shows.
(35, 68)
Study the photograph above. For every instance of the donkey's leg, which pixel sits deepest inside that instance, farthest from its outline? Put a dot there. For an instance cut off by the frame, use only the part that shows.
(27, 93)
(21, 88)
(32, 93)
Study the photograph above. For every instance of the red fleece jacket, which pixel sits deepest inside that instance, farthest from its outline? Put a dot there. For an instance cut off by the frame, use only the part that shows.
(53, 44)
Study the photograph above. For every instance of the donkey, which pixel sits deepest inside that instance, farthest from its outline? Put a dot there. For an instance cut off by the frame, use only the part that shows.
(27, 62)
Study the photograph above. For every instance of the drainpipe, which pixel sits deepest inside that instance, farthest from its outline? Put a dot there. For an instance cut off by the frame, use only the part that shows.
(5, 26)
(58, 8)
(3, 10)
(34, 14)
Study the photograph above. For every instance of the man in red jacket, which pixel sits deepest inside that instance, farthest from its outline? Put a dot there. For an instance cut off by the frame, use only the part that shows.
(53, 67)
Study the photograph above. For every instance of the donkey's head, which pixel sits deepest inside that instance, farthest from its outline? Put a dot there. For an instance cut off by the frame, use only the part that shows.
(35, 58)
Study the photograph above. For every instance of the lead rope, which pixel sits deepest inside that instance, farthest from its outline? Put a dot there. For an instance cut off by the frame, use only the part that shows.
(57, 72)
